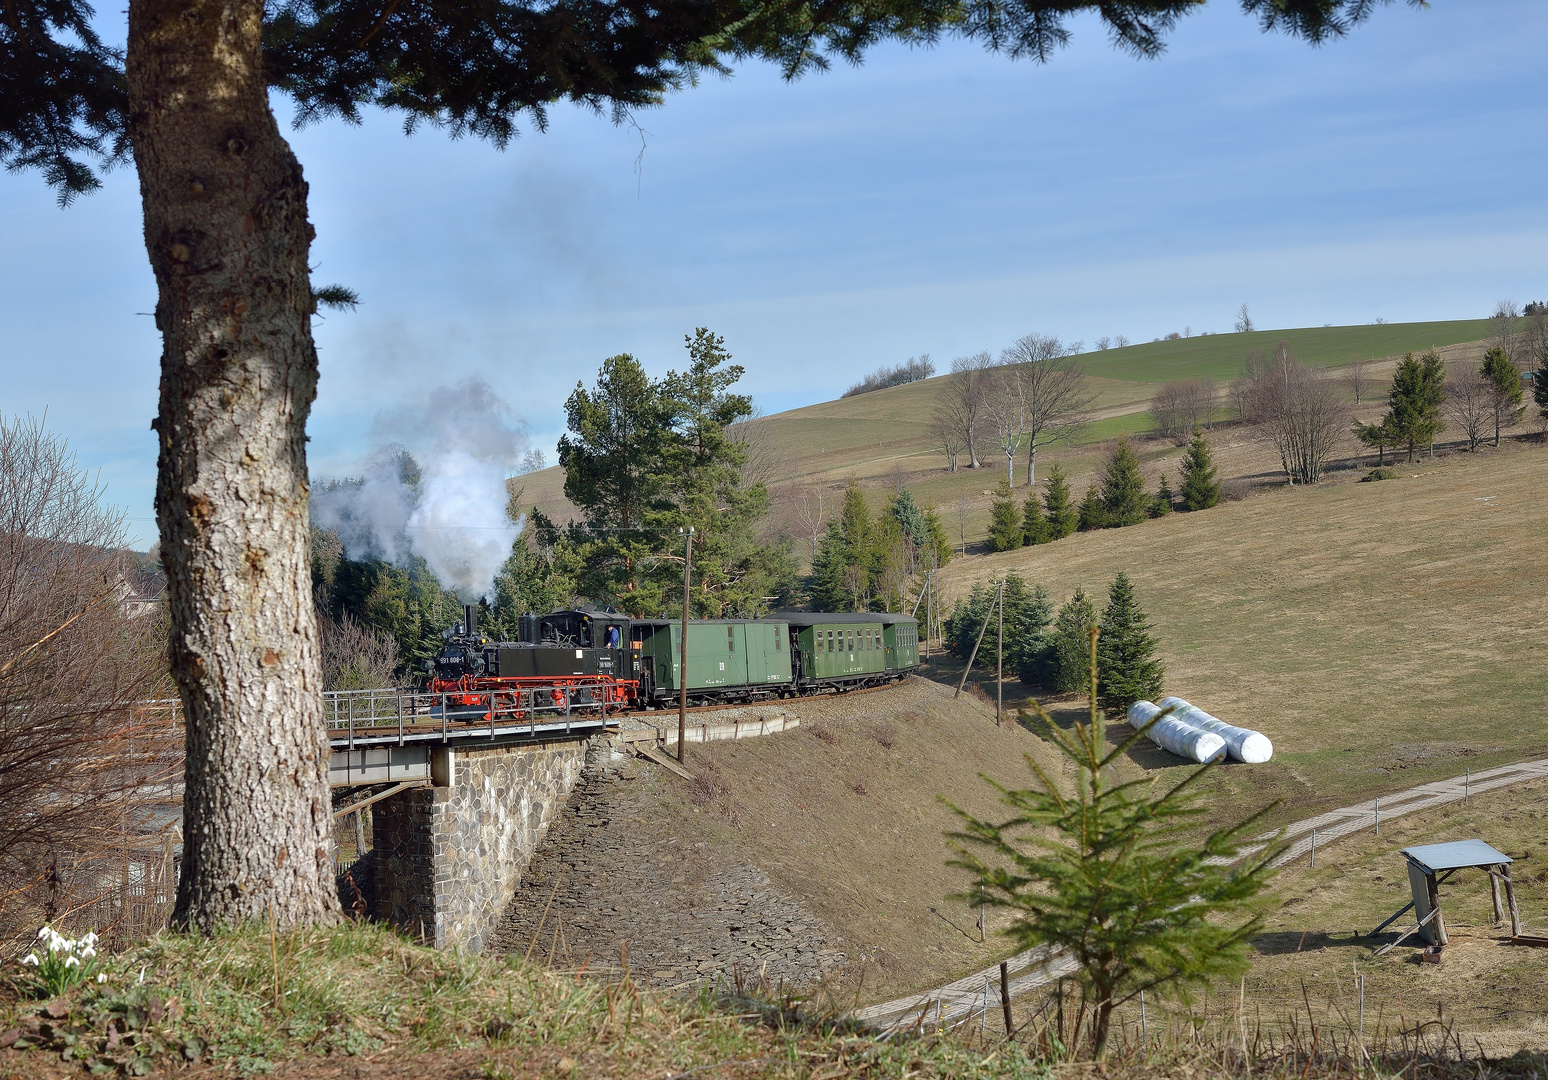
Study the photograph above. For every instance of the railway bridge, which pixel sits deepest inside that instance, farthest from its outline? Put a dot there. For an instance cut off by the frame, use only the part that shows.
(461, 789)
(460, 793)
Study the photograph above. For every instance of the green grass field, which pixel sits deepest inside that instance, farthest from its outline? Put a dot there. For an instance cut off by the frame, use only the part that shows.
(1219, 356)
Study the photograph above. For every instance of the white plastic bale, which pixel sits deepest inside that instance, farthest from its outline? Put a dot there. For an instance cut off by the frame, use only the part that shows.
(1175, 736)
(1243, 744)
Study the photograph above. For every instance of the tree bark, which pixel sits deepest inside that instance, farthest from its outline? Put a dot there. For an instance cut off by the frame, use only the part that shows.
(227, 234)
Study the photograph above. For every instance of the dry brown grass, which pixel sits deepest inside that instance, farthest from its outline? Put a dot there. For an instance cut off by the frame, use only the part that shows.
(1382, 635)
(851, 826)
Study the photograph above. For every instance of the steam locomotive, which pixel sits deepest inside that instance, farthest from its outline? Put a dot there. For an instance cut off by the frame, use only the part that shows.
(596, 659)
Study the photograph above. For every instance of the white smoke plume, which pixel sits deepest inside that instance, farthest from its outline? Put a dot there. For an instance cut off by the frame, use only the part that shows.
(465, 441)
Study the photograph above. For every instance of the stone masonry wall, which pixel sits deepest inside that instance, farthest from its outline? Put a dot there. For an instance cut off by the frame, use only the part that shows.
(449, 859)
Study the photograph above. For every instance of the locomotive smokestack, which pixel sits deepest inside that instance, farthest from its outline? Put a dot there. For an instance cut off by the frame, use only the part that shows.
(470, 619)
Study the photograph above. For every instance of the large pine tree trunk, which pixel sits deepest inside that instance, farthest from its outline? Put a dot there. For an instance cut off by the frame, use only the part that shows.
(226, 229)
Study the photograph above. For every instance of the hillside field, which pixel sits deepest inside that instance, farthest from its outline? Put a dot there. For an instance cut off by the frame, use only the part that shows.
(880, 437)
(1382, 634)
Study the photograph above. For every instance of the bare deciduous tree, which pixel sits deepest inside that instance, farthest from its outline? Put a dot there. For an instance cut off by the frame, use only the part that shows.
(1243, 321)
(355, 657)
(1357, 375)
(77, 653)
(961, 405)
(1051, 392)
(811, 513)
(1502, 327)
(946, 436)
(1468, 402)
(1179, 407)
(1301, 411)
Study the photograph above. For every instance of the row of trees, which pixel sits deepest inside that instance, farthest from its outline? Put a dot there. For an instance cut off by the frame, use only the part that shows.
(864, 563)
(1115, 499)
(1050, 650)
(1424, 395)
(913, 369)
(1032, 397)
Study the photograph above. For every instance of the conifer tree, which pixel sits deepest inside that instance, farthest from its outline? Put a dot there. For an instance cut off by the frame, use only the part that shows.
(939, 541)
(1005, 532)
(827, 587)
(1505, 388)
(905, 511)
(965, 620)
(1414, 401)
(1540, 376)
(1058, 508)
(1127, 670)
(1071, 642)
(1034, 527)
(1161, 505)
(1124, 500)
(1200, 489)
(1029, 643)
(1108, 874)
(1092, 514)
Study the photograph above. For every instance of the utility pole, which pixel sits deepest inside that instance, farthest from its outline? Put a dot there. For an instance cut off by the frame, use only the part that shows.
(682, 677)
(999, 664)
(1000, 588)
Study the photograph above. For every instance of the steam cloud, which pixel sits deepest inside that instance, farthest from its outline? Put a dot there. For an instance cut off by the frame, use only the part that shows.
(453, 514)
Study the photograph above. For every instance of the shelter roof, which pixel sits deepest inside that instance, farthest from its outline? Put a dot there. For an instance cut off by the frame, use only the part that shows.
(1456, 855)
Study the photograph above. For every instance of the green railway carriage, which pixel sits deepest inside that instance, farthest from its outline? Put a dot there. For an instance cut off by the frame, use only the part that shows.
(902, 640)
(844, 651)
(728, 659)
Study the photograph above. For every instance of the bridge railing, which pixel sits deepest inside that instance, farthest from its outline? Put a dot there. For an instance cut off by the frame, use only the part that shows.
(347, 712)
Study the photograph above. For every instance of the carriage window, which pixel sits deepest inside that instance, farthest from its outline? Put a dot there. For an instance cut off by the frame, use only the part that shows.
(731, 639)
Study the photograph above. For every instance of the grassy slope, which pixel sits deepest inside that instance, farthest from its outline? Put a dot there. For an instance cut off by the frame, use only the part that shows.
(873, 436)
(1381, 634)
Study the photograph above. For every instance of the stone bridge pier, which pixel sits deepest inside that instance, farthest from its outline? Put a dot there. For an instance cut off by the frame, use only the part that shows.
(448, 858)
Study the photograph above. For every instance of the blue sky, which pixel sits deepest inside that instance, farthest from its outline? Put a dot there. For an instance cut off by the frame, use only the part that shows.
(935, 201)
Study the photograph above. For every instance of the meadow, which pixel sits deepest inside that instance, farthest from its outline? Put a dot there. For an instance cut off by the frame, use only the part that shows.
(881, 438)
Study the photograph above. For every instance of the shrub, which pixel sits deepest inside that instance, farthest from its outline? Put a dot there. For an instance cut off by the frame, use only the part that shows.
(1378, 474)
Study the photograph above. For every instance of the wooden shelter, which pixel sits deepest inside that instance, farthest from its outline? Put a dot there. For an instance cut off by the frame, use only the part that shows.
(1431, 864)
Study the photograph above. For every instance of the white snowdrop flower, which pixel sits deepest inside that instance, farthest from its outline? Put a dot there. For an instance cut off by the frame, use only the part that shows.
(101, 978)
(90, 939)
(71, 961)
(88, 952)
(31, 960)
(45, 931)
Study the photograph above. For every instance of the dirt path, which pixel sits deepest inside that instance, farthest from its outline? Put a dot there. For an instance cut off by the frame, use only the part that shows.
(959, 1000)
